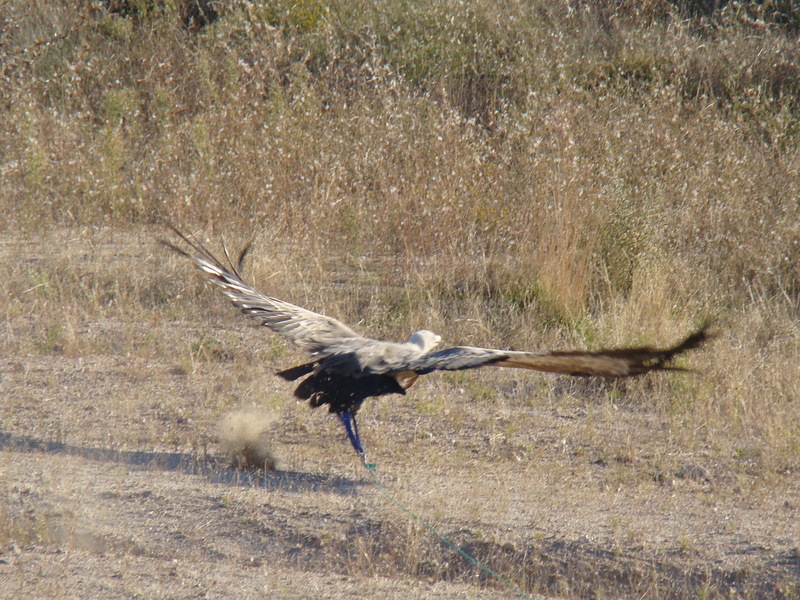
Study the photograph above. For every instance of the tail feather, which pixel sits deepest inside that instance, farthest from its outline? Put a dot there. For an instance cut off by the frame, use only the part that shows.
(296, 372)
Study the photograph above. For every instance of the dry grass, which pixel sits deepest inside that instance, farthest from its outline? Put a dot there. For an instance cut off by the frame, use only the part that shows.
(510, 175)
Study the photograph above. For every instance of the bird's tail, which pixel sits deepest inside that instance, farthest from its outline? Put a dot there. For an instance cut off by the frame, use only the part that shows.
(297, 372)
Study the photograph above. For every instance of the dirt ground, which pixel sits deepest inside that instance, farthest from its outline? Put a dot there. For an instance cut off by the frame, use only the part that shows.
(113, 484)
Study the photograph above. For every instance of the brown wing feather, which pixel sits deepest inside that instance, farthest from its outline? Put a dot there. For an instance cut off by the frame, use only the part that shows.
(622, 362)
(577, 364)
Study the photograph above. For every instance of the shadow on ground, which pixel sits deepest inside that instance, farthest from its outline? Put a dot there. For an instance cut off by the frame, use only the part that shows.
(216, 470)
(549, 566)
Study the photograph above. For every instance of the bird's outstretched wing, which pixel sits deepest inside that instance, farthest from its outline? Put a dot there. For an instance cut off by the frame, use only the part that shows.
(309, 330)
(621, 362)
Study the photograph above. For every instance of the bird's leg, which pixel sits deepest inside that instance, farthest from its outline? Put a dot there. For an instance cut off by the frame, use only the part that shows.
(349, 421)
(355, 431)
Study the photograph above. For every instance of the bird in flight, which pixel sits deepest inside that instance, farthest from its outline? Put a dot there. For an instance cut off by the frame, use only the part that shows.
(346, 368)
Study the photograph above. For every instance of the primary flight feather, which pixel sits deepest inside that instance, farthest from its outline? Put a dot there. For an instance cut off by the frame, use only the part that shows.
(346, 368)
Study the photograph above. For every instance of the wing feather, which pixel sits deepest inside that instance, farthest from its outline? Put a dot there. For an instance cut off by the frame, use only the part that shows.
(622, 362)
(309, 330)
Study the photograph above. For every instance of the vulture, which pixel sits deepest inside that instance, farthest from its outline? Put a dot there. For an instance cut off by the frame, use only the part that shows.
(346, 368)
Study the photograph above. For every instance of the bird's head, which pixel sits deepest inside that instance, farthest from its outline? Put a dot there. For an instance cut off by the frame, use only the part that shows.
(425, 340)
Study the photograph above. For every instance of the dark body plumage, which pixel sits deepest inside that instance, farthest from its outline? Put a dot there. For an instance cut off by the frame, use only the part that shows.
(339, 391)
(347, 368)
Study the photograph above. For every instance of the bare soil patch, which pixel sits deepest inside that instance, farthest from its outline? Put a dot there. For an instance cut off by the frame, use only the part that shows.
(114, 484)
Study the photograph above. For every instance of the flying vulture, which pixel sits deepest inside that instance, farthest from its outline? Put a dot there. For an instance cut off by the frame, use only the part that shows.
(346, 368)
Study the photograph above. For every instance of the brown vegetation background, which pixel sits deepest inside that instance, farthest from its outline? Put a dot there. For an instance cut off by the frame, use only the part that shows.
(511, 174)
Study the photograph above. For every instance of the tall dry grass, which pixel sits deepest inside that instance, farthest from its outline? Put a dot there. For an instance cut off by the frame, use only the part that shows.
(510, 174)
